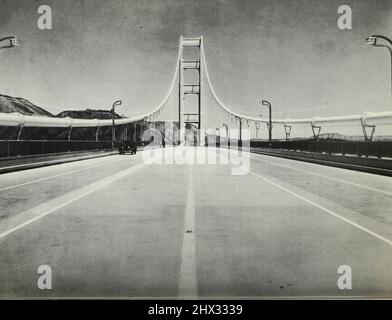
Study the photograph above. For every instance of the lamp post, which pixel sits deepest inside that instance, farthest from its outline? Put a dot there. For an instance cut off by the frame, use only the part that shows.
(227, 134)
(266, 103)
(217, 140)
(373, 41)
(12, 42)
(115, 104)
(240, 133)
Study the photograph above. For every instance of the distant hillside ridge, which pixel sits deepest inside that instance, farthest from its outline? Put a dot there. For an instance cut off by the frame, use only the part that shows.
(23, 106)
(88, 114)
(335, 137)
(341, 137)
(13, 104)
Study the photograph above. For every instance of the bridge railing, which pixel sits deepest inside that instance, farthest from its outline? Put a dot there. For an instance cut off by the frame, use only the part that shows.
(379, 149)
(50, 140)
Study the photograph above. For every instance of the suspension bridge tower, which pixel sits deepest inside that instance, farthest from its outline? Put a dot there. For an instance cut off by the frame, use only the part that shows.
(190, 119)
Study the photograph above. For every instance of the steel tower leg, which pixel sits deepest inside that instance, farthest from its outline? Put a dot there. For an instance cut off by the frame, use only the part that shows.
(180, 90)
(185, 89)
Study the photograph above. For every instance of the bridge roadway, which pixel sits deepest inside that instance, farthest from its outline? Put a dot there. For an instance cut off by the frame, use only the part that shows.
(118, 227)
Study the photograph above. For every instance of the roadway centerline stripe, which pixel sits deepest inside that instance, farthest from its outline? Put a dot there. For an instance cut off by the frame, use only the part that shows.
(57, 175)
(60, 202)
(356, 225)
(324, 176)
(187, 286)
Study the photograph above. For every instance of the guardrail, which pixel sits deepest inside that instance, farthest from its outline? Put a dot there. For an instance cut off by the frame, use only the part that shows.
(19, 148)
(379, 149)
(13, 148)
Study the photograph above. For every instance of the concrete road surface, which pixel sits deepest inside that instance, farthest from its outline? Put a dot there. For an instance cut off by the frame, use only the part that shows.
(121, 226)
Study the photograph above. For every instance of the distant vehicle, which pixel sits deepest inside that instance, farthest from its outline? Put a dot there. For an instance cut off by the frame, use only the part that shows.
(127, 147)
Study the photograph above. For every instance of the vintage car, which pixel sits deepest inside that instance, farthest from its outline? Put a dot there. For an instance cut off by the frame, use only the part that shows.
(127, 147)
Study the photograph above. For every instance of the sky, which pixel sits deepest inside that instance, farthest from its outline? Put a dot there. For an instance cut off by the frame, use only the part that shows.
(290, 52)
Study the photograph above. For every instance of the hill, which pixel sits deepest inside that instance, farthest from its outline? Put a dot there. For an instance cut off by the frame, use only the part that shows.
(88, 114)
(341, 137)
(12, 104)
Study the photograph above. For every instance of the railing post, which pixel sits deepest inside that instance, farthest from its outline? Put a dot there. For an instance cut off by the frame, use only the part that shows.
(287, 130)
(20, 131)
(20, 126)
(97, 134)
(316, 131)
(69, 133)
(378, 150)
(240, 138)
(364, 125)
(366, 149)
(134, 132)
(257, 126)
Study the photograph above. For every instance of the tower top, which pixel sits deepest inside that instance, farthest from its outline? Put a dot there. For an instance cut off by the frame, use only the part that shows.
(191, 41)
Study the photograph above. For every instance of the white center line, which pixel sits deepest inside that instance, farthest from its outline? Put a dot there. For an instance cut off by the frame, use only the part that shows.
(187, 286)
(60, 202)
(356, 225)
(324, 176)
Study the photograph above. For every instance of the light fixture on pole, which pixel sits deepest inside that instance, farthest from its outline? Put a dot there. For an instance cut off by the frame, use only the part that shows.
(227, 134)
(12, 42)
(115, 104)
(374, 41)
(266, 103)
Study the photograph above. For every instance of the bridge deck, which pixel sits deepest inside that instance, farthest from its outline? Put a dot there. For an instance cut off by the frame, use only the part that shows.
(116, 226)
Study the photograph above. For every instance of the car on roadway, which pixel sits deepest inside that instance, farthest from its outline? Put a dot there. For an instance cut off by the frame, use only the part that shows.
(127, 147)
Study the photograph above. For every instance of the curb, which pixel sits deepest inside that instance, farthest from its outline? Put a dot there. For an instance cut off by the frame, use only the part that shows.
(52, 162)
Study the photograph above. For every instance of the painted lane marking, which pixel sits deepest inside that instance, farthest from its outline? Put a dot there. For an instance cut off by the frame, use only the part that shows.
(187, 286)
(324, 176)
(56, 176)
(356, 225)
(60, 202)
